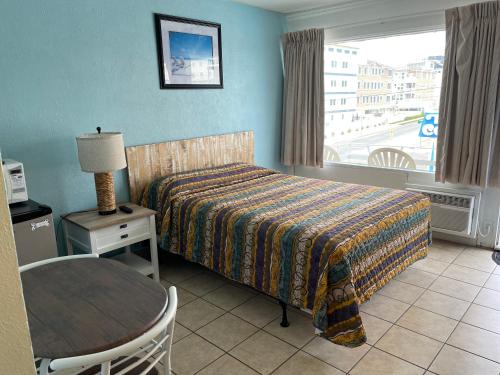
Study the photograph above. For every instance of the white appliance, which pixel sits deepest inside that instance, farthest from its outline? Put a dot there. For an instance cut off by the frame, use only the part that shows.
(15, 181)
(452, 211)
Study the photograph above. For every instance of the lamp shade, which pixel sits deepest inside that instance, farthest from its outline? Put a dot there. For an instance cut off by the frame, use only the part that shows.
(101, 152)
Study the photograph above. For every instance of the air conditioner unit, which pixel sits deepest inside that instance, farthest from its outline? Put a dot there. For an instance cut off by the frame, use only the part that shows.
(452, 211)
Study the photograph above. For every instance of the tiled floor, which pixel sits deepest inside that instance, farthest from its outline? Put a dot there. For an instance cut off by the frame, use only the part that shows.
(440, 316)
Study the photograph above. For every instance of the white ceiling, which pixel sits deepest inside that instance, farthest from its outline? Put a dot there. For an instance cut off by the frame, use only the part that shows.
(289, 6)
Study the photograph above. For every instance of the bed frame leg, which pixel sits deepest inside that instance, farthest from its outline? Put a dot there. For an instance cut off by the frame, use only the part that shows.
(284, 318)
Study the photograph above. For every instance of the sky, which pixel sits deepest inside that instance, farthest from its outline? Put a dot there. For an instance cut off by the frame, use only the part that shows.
(190, 46)
(400, 50)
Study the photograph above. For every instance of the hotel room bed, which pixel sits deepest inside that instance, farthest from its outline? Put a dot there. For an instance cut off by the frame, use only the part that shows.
(314, 244)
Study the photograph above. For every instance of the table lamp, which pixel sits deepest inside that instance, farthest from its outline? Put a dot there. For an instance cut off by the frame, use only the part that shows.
(101, 154)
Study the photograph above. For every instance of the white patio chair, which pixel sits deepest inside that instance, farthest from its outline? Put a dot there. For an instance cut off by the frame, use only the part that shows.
(329, 154)
(392, 158)
(147, 349)
(57, 259)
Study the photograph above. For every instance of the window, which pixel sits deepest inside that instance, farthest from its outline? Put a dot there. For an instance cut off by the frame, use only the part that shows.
(389, 100)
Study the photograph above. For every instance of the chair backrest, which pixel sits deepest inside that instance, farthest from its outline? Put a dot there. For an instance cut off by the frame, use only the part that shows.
(157, 339)
(329, 154)
(391, 157)
(57, 259)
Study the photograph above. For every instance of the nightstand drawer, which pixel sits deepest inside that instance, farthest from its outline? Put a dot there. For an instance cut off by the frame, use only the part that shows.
(124, 232)
(142, 222)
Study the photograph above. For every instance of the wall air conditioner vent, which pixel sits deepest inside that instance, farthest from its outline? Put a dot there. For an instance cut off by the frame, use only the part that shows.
(452, 211)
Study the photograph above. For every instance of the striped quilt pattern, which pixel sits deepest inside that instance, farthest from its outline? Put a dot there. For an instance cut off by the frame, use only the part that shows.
(314, 244)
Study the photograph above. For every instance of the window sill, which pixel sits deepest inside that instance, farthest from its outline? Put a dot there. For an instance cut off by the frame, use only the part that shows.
(364, 166)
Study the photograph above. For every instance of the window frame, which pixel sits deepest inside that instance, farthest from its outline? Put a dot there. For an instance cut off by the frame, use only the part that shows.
(437, 24)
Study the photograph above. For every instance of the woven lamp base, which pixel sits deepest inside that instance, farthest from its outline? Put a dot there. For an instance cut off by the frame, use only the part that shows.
(105, 191)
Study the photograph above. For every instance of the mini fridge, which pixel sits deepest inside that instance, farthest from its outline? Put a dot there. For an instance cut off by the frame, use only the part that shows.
(33, 231)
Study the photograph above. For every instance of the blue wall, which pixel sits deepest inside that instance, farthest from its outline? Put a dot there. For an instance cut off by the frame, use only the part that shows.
(69, 66)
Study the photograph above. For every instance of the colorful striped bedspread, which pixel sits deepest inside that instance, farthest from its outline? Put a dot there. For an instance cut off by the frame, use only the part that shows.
(314, 244)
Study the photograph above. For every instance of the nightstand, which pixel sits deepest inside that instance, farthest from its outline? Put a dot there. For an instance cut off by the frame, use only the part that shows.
(93, 233)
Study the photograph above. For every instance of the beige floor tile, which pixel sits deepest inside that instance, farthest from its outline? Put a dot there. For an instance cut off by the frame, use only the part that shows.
(427, 323)
(227, 331)
(441, 304)
(259, 311)
(384, 307)
(493, 282)
(479, 259)
(203, 283)
(477, 341)
(183, 296)
(455, 288)
(497, 270)
(374, 327)
(417, 277)
(453, 361)
(227, 365)
(410, 346)
(376, 362)
(299, 333)
(193, 353)
(341, 357)
(483, 317)
(180, 332)
(229, 296)
(466, 274)
(444, 254)
(430, 265)
(304, 364)
(401, 291)
(196, 314)
(263, 352)
(489, 298)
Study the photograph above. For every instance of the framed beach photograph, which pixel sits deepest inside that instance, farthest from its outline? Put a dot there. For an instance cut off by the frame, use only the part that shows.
(189, 53)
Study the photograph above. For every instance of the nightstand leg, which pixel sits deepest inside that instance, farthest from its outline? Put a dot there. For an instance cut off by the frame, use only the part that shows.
(154, 249)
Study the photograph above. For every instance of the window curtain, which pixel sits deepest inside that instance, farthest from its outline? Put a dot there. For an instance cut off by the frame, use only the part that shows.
(468, 145)
(303, 125)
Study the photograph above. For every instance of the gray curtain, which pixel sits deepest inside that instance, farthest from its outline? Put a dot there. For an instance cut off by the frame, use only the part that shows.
(468, 146)
(303, 125)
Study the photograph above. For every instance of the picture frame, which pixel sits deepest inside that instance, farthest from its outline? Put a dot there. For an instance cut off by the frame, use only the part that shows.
(189, 53)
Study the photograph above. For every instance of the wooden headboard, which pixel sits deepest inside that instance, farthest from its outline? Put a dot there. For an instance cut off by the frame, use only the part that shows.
(147, 162)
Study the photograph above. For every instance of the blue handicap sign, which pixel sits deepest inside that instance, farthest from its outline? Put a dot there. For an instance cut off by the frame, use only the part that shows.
(429, 125)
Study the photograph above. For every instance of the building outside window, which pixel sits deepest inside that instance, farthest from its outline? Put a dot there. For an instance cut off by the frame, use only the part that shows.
(387, 85)
(340, 100)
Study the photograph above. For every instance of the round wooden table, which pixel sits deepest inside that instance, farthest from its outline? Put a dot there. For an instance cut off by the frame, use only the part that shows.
(88, 305)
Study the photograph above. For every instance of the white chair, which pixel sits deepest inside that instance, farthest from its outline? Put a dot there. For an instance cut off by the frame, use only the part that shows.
(329, 154)
(52, 260)
(153, 345)
(392, 158)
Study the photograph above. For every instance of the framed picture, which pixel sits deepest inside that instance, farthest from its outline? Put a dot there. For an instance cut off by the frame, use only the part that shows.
(189, 53)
